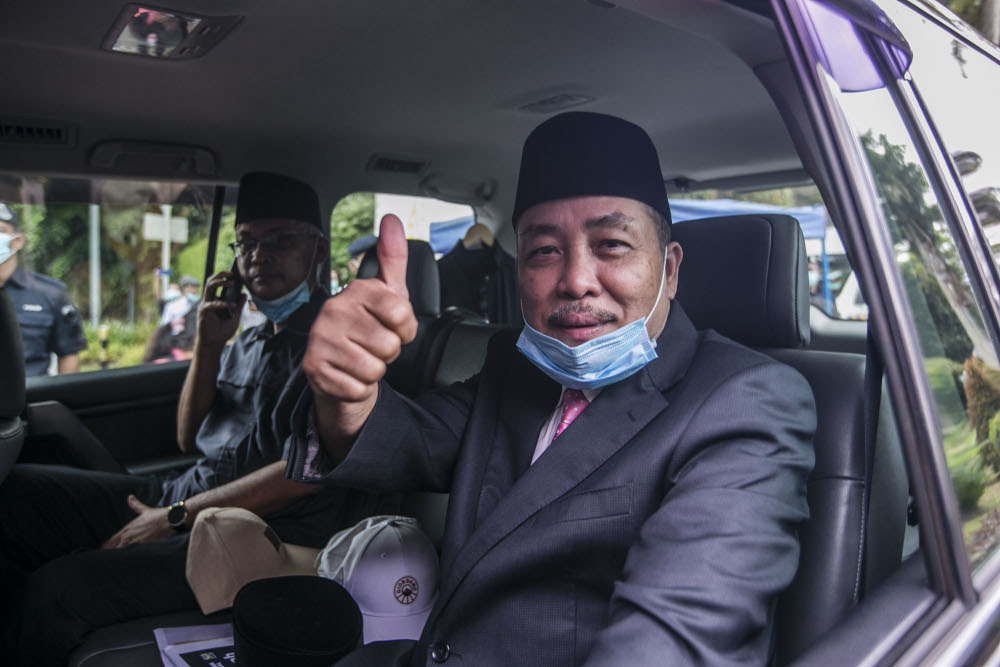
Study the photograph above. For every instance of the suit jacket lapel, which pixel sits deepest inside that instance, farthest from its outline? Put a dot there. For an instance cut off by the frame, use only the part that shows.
(529, 396)
(615, 417)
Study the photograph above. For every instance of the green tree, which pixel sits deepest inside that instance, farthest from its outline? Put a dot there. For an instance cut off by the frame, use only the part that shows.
(191, 259)
(983, 15)
(917, 229)
(932, 312)
(352, 218)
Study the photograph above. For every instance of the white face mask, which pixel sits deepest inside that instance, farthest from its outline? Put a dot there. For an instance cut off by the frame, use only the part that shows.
(5, 250)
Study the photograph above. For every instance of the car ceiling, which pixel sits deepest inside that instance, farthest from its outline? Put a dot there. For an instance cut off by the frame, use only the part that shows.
(314, 88)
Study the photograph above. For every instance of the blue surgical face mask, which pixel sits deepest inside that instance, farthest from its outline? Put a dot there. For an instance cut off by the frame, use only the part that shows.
(193, 298)
(597, 362)
(5, 250)
(280, 309)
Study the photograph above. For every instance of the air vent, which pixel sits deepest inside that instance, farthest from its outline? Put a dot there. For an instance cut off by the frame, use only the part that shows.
(397, 165)
(38, 133)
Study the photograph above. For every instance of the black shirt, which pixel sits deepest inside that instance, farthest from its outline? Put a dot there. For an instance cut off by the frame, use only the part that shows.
(236, 436)
(242, 434)
(49, 321)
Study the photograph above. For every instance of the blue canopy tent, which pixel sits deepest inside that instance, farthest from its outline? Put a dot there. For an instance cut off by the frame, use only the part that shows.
(812, 220)
(445, 234)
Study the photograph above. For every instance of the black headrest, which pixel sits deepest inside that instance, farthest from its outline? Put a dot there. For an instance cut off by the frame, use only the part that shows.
(746, 276)
(421, 276)
(11, 360)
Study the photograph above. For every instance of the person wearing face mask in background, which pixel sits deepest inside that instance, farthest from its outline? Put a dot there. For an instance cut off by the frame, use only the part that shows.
(50, 323)
(624, 489)
(83, 549)
(179, 303)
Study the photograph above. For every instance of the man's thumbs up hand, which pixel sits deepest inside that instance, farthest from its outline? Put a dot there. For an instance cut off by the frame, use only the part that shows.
(392, 255)
(357, 334)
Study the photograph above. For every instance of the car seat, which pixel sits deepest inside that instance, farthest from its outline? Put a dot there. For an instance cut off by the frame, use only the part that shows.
(746, 277)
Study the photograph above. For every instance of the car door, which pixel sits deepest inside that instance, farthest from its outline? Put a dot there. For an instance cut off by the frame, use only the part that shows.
(925, 266)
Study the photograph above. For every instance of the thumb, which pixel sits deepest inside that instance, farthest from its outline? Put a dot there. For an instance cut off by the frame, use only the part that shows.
(136, 505)
(392, 253)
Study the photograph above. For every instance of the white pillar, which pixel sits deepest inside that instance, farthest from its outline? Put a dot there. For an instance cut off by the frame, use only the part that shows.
(165, 210)
(95, 264)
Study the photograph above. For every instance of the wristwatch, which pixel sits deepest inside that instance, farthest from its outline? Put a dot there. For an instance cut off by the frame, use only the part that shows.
(176, 515)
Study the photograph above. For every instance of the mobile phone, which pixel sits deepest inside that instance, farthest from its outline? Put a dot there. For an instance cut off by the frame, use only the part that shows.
(231, 293)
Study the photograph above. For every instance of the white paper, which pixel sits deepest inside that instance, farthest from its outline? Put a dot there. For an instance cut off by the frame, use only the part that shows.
(221, 658)
(187, 634)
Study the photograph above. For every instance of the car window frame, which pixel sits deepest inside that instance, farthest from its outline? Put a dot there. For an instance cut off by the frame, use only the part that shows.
(863, 229)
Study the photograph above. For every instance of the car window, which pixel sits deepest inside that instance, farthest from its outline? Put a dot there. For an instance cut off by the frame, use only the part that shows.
(478, 277)
(440, 223)
(961, 87)
(960, 362)
(832, 285)
(95, 259)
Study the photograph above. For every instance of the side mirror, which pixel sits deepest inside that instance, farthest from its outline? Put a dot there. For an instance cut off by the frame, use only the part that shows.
(845, 31)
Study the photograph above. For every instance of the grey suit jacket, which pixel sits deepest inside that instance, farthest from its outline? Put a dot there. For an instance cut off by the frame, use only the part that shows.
(656, 530)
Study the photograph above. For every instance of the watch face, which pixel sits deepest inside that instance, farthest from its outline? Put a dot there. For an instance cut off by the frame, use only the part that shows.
(176, 514)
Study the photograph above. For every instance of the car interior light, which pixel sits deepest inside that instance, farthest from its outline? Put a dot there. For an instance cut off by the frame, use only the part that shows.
(166, 34)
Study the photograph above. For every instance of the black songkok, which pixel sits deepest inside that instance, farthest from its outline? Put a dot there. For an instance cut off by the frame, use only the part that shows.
(578, 154)
(265, 196)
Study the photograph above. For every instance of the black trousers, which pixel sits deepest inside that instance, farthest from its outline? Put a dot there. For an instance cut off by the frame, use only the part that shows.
(56, 583)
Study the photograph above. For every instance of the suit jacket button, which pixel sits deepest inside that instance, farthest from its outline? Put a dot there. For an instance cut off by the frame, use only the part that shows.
(440, 651)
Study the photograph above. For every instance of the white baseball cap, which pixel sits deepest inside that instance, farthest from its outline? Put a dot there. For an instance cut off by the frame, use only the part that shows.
(230, 547)
(390, 568)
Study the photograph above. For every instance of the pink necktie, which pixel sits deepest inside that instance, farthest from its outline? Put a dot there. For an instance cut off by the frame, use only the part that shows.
(573, 404)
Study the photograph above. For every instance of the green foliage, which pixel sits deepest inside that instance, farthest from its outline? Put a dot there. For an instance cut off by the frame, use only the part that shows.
(982, 391)
(935, 317)
(970, 476)
(969, 11)
(126, 344)
(190, 260)
(352, 218)
(993, 434)
(59, 246)
(945, 376)
(903, 191)
(970, 480)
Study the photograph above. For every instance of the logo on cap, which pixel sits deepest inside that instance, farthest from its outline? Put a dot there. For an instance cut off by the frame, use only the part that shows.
(406, 590)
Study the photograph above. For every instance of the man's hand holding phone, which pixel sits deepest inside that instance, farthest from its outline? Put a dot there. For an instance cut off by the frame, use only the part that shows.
(357, 334)
(220, 307)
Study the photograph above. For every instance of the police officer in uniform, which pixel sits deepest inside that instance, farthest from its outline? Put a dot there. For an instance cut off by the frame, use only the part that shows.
(49, 321)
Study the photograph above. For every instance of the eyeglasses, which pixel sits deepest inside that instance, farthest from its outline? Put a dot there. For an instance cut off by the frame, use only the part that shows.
(270, 243)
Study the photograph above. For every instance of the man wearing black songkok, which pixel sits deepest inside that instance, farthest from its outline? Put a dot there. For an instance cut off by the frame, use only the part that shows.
(624, 489)
(81, 549)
